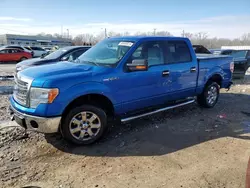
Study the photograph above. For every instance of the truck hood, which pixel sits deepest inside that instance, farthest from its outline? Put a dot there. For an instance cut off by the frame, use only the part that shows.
(56, 69)
(60, 74)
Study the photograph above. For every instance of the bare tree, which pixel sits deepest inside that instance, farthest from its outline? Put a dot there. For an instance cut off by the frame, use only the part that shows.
(57, 35)
(83, 39)
(163, 33)
(126, 33)
(188, 35)
(200, 38)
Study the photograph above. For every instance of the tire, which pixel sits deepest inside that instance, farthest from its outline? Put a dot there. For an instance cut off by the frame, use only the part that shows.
(77, 126)
(210, 95)
(22, 59)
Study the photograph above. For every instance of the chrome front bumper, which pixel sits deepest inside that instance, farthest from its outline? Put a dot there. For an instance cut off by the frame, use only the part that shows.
(35, 123)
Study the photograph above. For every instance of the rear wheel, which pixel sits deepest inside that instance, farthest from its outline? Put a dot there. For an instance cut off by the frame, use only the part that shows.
(23, 58)
(84, 125)
(209, 97)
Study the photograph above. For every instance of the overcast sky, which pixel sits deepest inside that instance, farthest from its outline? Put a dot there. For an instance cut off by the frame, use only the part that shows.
(229, 19)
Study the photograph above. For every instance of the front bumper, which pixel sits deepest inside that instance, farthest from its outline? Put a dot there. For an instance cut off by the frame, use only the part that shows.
(35, 123)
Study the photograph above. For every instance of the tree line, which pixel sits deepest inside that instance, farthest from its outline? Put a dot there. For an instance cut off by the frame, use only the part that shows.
(201, 38)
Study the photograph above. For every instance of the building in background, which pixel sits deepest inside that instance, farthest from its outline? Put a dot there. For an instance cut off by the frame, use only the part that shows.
(36, 40)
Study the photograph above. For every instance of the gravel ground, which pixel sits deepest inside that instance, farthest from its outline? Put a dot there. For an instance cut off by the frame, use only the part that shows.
(185, 147)
(4, 115)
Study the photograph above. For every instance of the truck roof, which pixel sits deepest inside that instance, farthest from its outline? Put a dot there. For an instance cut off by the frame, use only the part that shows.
(137, 38)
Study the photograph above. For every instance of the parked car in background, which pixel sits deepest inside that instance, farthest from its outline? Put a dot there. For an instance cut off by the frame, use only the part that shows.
(215, 50)
(18, 47)
(47, 48)
(241, 59)
(69, 53)
(38, 51)
(199, 49)
(13, 54)
(121, 78)
(28, 48)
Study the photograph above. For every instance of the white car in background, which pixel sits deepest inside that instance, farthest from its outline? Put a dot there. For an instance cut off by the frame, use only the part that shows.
(38, 51)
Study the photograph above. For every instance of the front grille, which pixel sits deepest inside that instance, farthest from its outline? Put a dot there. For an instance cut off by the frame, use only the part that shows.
(21, 91)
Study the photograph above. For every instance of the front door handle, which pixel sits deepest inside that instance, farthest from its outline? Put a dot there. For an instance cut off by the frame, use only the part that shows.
(165, 73)
(193, 69)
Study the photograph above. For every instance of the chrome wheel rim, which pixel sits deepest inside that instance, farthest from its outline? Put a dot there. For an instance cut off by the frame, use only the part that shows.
(85, 126)
(212, 95)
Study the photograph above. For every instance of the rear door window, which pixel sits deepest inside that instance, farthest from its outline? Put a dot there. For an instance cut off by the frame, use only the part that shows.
(177, 52)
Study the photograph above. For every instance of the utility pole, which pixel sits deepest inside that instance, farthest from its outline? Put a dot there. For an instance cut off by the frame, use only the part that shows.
(62, 31)
(183, 33)
(154, 32)
(68, 33)
(105, 32)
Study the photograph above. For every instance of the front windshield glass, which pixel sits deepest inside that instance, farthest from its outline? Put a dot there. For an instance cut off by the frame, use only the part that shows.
(106, 52)
(239, 54)
(55, 54)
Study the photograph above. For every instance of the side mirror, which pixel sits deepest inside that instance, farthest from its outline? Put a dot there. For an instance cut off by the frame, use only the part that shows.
(138, 65)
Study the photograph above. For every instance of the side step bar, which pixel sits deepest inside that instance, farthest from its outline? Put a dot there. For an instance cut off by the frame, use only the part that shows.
(157, 111)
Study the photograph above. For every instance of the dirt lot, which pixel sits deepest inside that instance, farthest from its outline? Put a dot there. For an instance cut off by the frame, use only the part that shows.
(184, 147)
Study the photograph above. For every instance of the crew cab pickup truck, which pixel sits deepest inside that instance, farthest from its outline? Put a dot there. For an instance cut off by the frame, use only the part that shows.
(121, 79)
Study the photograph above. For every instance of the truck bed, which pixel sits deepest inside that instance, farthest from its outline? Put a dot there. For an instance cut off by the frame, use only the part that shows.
(210, 64)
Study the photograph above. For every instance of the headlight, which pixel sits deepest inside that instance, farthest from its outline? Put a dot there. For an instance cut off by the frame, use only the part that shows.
(42, 95)
(18, 69)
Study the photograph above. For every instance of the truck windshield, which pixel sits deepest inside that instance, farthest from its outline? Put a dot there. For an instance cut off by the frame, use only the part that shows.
(106, 52)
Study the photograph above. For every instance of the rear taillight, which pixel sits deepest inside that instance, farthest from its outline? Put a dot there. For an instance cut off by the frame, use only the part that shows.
(232, 67)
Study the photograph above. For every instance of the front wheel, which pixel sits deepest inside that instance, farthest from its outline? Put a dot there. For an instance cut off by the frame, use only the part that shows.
(209, 97)
(84, 124)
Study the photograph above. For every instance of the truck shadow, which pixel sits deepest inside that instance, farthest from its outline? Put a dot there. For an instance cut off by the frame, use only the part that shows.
(170, 131)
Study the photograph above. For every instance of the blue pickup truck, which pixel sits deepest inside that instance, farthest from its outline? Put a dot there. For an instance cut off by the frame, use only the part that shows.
(120, 78)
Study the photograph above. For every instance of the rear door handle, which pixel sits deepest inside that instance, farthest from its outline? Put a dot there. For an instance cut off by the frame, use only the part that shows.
(193, 69)
(165, 73)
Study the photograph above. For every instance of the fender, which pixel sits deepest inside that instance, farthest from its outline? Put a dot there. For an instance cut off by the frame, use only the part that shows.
(68, 95)
(216, 70)
(213, 71)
